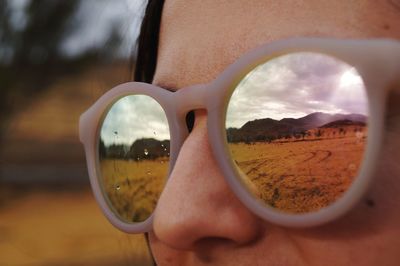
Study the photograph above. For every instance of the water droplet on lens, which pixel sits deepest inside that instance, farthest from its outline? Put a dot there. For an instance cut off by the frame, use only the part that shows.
(146, 152)
(117, 187)
(148, 172)
(116, 132)
(165, 149)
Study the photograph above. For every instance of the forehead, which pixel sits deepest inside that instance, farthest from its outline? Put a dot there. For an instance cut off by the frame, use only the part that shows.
(199, 39)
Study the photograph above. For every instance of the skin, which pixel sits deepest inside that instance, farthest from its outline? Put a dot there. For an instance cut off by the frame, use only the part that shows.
(198, 219)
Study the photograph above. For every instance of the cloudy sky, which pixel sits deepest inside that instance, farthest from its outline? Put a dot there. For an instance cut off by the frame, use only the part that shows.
(134, 117)
(297, 85)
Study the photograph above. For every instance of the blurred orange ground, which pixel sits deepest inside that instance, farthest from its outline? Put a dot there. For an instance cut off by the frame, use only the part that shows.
(64, 228)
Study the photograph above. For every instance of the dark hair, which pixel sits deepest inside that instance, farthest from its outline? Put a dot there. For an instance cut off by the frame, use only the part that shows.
(146, 59)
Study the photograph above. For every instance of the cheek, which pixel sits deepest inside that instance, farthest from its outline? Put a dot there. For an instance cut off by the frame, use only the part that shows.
(387, 177)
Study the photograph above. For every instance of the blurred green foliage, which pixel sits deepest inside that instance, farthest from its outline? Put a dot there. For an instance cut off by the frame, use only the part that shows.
(31, 58)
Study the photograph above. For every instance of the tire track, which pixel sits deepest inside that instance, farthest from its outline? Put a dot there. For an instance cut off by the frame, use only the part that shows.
(328, 154)
(313, 154)
(257, 166)
(325, 155)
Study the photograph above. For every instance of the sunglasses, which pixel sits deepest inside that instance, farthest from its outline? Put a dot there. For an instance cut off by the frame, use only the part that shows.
(295, 126)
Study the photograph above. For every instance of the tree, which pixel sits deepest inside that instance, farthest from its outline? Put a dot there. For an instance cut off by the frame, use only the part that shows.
(303, 134)
(102, 149)
(33, 50)
(318, 133)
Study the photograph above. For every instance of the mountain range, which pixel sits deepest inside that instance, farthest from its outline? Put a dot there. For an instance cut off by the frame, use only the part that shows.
(268, 129)
(140, 149)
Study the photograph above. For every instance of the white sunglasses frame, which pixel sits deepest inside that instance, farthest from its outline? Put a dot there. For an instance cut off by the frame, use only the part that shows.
(377, 61)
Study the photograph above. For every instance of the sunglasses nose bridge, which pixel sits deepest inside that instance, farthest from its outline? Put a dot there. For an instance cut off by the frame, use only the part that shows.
(191, 98)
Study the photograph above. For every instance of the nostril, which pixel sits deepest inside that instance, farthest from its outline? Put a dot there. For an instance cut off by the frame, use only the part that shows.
(206, 248)
(190, 117)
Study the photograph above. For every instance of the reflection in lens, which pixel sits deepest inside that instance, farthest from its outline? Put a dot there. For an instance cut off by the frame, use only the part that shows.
(134, 155)
(296, 128)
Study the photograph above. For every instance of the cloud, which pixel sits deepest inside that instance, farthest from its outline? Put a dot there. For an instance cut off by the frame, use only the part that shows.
(134, 117)
(296, 85)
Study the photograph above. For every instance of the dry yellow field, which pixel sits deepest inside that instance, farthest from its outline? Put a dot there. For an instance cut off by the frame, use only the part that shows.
(300, 176)
(46, 227)
(134, 187)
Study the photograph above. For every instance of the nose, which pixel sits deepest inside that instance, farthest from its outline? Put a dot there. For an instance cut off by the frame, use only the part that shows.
(197, 207)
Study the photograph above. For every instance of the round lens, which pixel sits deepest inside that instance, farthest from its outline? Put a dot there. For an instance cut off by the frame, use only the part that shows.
(133, 150)
(296, 128)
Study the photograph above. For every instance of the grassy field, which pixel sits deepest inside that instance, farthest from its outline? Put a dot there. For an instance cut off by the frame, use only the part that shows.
(52, 227)
(301, 175)
(134, 187)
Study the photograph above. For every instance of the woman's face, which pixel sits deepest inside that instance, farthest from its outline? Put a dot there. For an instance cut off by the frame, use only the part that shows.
(198, 219)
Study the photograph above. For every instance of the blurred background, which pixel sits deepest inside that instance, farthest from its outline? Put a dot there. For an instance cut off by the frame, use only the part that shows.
(56, 59)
